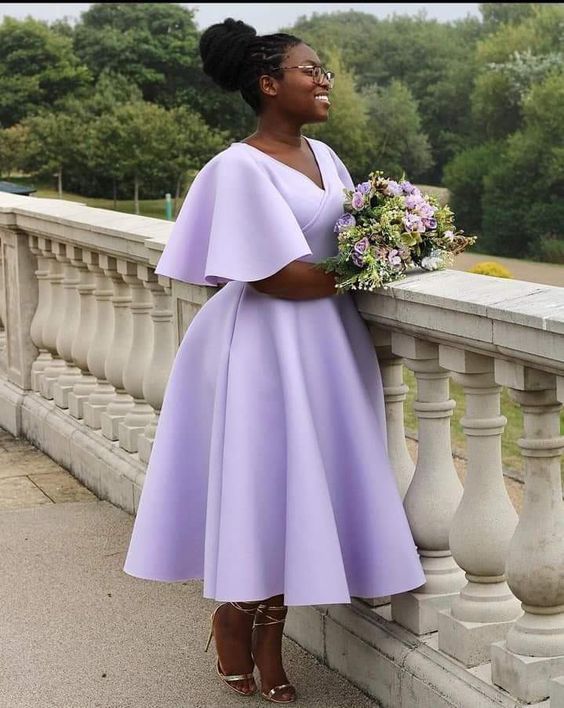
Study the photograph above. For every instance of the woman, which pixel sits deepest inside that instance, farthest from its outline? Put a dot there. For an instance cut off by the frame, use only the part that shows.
(269, 477)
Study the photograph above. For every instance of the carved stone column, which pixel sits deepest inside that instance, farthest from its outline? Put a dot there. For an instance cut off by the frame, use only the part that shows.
(140, 414)
(484, 522)
(119, 348)
(84, 336)
(41, 314)
(99, 350)
(533, 651)
(158, 371)
(64, 384)
(53, 321)
(395, 393)
(435, 490)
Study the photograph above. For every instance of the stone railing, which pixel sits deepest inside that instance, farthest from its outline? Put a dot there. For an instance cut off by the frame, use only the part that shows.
(88, 337)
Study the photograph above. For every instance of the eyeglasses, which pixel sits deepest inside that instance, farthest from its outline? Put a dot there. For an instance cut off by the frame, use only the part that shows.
(317, 73)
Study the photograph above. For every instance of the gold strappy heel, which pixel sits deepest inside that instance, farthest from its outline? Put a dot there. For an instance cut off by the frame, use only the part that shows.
(270, 696)
(228, 680)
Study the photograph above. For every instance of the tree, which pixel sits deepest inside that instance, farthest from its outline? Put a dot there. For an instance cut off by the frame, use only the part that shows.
(395, 142)
(193, 144)
(524, 191)
(37, 67)
(154, 45)
(345, 130)
(12, 145)
(495, 14)
(54, 142)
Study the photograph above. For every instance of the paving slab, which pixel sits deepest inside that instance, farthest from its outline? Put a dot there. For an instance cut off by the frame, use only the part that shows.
(77, 632)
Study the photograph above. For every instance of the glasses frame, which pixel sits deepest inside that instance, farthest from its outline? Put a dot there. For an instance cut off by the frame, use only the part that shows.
(325, 74)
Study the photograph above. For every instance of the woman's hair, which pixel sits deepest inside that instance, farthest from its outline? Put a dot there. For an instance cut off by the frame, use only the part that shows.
(234, 56)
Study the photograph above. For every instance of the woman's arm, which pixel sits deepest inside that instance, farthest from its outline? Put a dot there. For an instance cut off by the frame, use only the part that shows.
(298, 280)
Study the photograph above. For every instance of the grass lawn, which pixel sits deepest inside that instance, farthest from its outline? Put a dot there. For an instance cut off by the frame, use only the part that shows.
(510, 451)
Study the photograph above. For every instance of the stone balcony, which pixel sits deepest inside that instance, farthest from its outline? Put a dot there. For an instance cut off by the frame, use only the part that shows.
(89, 336)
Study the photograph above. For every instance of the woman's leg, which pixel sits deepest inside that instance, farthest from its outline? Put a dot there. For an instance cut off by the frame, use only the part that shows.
(232, 631)
(267, 646)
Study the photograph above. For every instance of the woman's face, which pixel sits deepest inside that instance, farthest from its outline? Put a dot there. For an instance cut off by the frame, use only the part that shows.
(296, 94)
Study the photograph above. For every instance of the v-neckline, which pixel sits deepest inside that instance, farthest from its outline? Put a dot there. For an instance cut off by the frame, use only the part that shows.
(317, 162)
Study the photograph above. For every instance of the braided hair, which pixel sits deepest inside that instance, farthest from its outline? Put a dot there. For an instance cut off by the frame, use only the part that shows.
(234, 56)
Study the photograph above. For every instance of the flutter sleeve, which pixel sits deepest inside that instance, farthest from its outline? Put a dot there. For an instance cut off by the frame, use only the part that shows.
(234, 225)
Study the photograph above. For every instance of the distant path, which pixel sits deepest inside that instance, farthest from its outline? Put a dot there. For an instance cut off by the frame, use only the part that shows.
(546, 273)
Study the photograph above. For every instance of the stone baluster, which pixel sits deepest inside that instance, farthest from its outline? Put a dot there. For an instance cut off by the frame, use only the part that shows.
(3, 320)
(99, 350)
(158, 371)
(140, 414)
(434, 492)
(64, 384)
(484, 522)
(84, 335)
(119, 349)
(533, 652)
(41, 313)
(53, 321)
(395, 393)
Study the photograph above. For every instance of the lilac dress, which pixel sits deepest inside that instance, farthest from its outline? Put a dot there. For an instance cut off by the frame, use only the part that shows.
(269, 471)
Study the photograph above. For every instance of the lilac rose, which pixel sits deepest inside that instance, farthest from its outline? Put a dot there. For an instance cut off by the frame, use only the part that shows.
(393, 189)
(430, 223)
(413, 222)
(363, 187)
(362, 245)
(357, 200)
(347, 221)
(393, 257)
(358, 259)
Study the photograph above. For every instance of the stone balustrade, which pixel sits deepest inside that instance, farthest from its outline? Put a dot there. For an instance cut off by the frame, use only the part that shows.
(88, 337)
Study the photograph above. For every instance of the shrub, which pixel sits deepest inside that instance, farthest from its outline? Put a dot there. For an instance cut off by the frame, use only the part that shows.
(491, 268)
(551, 250)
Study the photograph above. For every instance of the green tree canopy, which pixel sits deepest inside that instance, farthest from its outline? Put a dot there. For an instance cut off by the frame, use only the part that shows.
(37, 68)
(395, 142)
(154, 45)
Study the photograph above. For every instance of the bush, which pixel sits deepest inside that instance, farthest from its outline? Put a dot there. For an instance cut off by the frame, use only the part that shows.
(491, 268)
(551, 250)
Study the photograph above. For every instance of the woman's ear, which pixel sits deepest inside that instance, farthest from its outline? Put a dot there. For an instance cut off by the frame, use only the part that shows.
(268, 85)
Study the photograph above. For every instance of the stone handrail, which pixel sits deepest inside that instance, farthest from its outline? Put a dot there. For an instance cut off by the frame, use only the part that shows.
(90, 336)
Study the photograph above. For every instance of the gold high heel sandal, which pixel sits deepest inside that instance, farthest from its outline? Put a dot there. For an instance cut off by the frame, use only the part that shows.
(228, 680)
(270, 696)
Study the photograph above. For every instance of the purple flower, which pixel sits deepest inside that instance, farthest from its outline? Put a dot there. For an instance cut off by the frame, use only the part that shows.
(363, 187)
(393, 189)
(430, 223)
(409, 188)
(358, 259)
(357, 200)
(412, 201)
(362, 245)
(347, 221)
(393, 257)
(449, 234)
(413, 222)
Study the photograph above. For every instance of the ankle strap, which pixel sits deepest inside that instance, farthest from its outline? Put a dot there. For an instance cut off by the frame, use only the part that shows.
(247, 610)
(272, 620)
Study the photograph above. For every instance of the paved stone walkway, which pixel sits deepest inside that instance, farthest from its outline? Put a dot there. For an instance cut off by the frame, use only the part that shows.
(77, 632)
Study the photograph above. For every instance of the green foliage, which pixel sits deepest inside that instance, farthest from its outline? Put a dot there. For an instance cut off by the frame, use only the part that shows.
(347, 127)
(490, 268)
(154, 45)
(395, 142)
(551, 249)
(37, 67)
(464, 177)
(523, 197)
(495, 14)
(12, 146)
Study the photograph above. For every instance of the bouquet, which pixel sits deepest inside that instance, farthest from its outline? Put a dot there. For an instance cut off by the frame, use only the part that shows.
(389, 228)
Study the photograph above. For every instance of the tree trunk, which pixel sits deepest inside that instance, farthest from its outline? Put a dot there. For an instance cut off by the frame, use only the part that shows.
(115, 192)
(177, 195)
(136, 193)
(60, 182)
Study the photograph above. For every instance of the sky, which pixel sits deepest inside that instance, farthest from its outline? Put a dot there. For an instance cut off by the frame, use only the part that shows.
(265, 17)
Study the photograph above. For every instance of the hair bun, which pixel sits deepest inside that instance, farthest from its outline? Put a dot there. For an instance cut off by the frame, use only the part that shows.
(223, 47)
